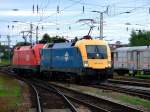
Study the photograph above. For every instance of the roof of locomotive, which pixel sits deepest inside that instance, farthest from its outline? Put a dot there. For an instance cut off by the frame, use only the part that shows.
(72, 44)
(62, 45)
(137, 48)
(91, 42)
(28, 47)
(58, 45)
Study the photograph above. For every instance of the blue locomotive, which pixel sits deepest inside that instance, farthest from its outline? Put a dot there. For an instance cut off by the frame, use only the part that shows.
(86, 59)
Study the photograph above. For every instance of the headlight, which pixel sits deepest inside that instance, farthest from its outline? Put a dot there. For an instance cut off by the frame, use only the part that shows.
(109, 63)
(85, 63)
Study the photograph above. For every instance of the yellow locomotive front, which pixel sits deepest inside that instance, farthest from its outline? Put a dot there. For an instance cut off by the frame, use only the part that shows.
(96, 56)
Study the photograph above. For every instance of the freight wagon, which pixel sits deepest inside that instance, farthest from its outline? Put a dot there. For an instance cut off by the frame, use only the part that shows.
(132, 59)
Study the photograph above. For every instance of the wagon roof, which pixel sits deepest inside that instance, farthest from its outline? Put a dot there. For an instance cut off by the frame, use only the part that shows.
(137, 48)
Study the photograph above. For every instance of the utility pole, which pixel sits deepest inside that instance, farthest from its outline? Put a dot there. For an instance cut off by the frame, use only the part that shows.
(23, 36)
(101, 25)
(31, 28)
(101, 21)
(0, 37)
(8, 37)
(9, 50)
(37, 28)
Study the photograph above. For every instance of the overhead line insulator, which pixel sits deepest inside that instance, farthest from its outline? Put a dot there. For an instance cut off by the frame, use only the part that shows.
(33, 8)
(69, 27)
(12, 26)
(37, 8)
(57, 9)
(83, 9)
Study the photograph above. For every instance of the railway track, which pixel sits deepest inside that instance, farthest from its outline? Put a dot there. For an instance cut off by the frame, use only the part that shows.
(47, 86)
(92, 107)
(54, 99)
(36, 88)
(101, 103)
(125, 78)
(130, 82)
(41, 84)
(54, 90)
(95, 104)
(39, 107)
(131, 91)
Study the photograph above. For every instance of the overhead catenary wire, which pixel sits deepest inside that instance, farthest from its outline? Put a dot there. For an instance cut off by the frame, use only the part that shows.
(80, 3)
(64, 9)
(103, 6)
(67, 7)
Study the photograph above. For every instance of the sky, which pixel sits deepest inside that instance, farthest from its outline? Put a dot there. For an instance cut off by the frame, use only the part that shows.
(61, 17)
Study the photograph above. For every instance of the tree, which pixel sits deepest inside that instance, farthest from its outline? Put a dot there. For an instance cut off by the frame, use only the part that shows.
(4, 49)
(75, 40)
(140, 38)
(45, 39)
(55, 39)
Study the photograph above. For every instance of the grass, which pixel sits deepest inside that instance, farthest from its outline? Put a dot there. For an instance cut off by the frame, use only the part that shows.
(134, 100)
(119, 97)
(143, 76)
(139, 76)
(4, 62)
(10, 93)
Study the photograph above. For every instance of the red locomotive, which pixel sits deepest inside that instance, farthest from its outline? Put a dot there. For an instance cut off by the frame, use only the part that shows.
(27, 58)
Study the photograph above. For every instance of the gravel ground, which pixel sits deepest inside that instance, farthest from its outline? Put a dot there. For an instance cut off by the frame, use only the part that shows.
(26, 101)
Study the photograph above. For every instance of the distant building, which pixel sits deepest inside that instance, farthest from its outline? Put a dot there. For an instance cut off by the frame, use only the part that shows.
(117, 44)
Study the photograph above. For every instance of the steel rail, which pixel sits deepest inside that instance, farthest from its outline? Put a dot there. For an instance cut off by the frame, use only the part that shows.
(131, 79)
(72, 106)
(91, 106)
(52, 88)
(39, 84)
(127, 82)
(134, 92)
(39, 106)
(98, 101)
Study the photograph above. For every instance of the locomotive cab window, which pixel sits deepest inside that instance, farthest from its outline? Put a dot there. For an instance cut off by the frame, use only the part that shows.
(96, 51)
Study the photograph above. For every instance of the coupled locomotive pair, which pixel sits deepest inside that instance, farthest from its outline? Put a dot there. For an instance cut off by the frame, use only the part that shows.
(87, 58)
